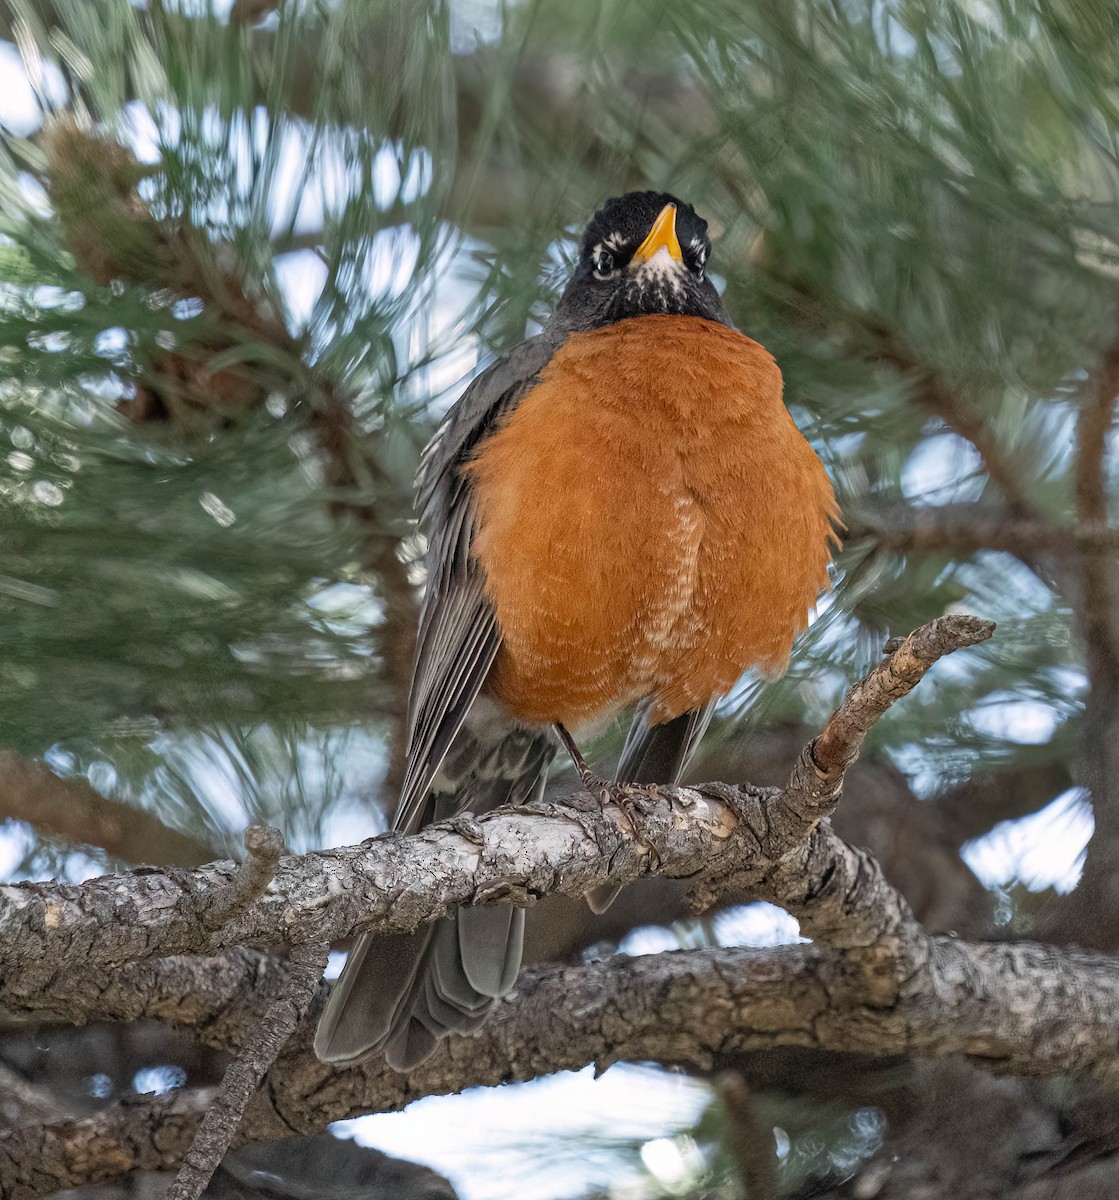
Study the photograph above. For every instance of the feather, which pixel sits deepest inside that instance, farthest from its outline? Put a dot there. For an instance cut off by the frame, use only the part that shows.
(401, 994)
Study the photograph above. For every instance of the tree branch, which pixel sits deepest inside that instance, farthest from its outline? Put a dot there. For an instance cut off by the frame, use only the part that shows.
(22, 1102)
(393, 883)
(874, 982)
(122, 240)
(748, 1139)
(36, 1160)
(265, 848)
(945, 402)
(219, 1126)
(73, 809)
(766, 843)
(381, 513)
(389, 884)
(1097, 411)
(1013, 1008)
(1091, 914)
(962, 529)
(817, 778)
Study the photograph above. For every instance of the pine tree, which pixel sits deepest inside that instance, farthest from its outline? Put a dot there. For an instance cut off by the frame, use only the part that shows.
(248, 255)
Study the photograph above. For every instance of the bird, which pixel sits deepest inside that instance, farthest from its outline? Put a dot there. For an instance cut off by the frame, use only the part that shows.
(621, 515)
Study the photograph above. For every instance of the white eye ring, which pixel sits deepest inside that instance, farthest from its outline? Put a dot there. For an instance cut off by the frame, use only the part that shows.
(604, 264)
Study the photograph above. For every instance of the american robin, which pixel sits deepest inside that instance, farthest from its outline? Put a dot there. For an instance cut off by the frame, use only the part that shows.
(620, 512)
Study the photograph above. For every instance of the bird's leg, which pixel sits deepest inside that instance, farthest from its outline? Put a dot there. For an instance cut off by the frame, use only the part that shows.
(590, 780)
(629, 796)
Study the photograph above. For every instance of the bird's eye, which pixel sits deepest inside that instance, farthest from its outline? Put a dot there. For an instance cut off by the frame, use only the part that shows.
(603, 264)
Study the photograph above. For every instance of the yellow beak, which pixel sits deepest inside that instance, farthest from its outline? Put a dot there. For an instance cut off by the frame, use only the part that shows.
(661, 236)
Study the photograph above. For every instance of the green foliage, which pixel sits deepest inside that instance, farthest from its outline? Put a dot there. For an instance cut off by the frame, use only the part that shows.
(901, 192)
(913, 204)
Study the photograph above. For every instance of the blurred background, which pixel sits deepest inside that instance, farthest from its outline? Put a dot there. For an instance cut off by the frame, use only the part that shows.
(250, 251)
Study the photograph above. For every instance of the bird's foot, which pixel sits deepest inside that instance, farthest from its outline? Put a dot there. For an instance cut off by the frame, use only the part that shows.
(632, 798)
(601, 788)
(625, 795)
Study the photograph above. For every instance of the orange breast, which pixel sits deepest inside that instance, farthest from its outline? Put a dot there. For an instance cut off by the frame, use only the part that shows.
(650, 521)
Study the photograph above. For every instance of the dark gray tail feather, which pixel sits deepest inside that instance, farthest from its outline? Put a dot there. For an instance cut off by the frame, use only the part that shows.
(400, 994)
(403, 993)
(654, 754)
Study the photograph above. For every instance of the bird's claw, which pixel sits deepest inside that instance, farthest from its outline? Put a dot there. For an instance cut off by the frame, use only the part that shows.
(631, 798)
(597, 787)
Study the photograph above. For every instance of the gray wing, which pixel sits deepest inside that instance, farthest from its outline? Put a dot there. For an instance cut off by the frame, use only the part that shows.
(458, 637)
(399, 995)
(655, 754)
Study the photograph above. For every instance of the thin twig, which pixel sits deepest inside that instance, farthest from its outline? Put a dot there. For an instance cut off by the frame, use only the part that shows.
(817, 779)
(943, 401)
(265, 847)
(946, 404)
(380, 511)
(219, 1126)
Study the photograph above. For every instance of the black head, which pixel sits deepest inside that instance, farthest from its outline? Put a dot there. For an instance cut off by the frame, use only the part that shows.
(644, 252)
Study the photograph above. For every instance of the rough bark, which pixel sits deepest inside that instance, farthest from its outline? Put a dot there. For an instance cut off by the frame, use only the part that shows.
(873, 983)
(743, 838)
(1021, 1009)
(36, 1160)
